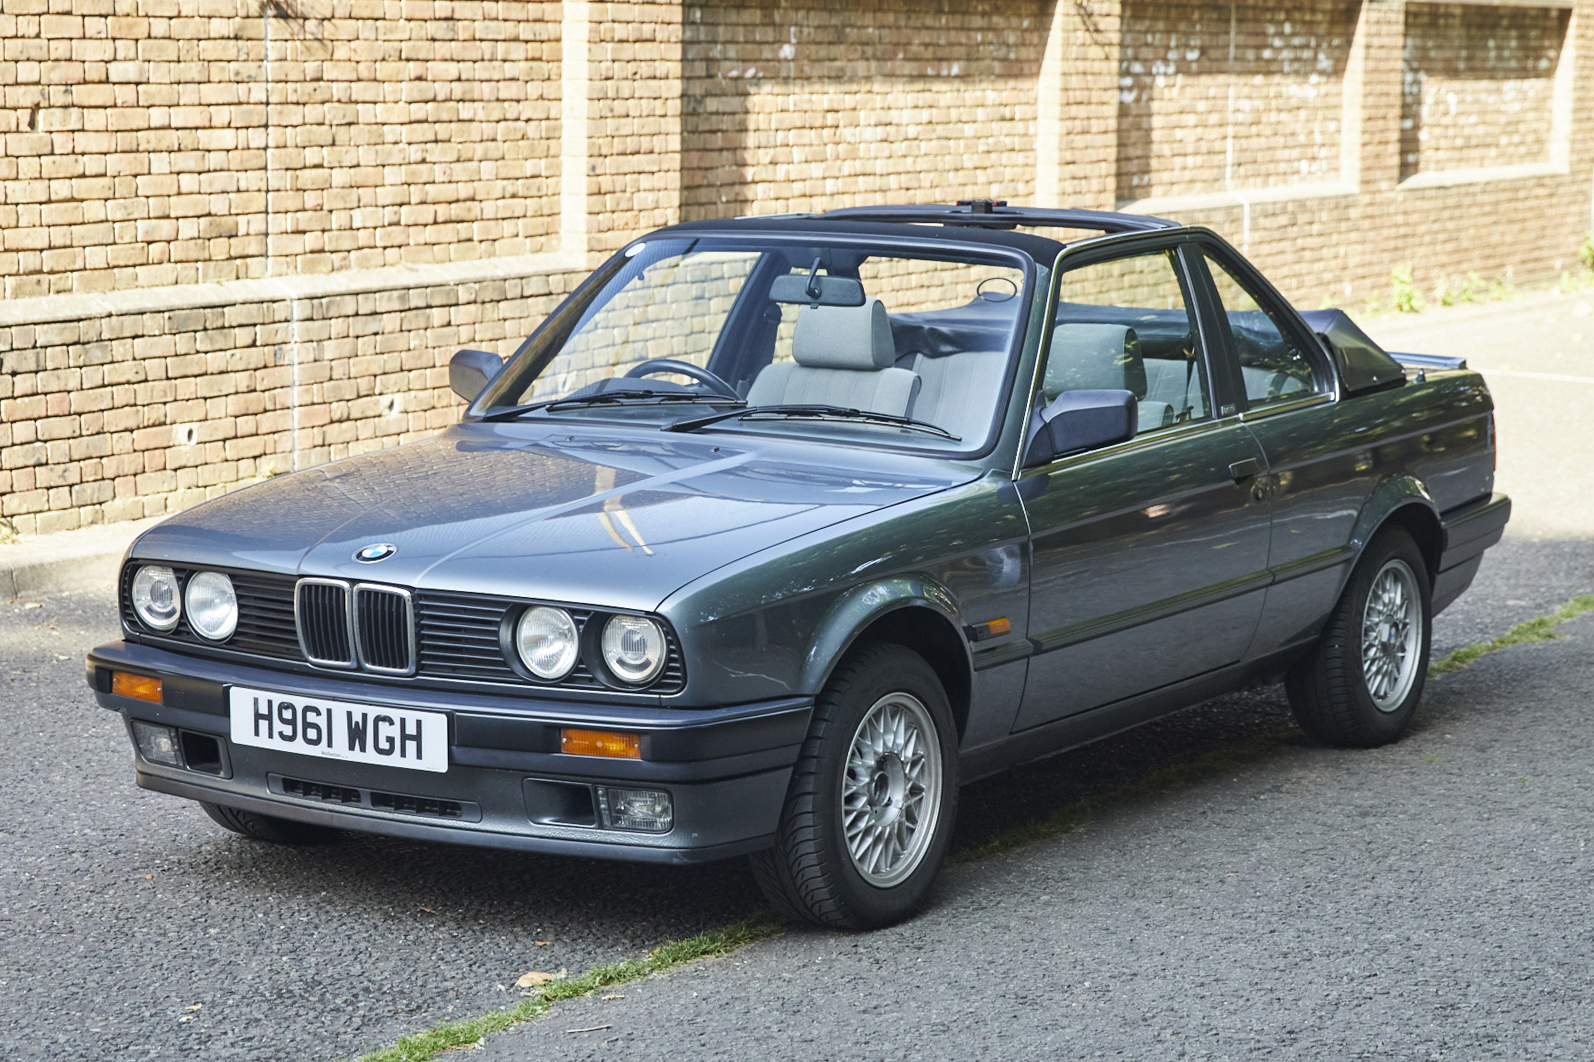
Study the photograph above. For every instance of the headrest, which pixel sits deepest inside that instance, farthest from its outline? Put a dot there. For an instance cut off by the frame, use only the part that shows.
(1088, 357)
(844, 337)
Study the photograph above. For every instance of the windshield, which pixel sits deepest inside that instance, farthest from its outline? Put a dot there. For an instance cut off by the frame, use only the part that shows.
(857, 343)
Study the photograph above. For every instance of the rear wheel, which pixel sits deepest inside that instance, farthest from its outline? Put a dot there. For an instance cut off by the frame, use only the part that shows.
(1362, 682)
(869, 813)
(268, 827)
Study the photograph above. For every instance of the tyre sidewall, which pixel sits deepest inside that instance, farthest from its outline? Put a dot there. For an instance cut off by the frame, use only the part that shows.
(894, 670)
(1390, 545)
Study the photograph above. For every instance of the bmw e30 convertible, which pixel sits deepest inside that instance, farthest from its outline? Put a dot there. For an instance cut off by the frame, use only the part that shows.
(779, 529)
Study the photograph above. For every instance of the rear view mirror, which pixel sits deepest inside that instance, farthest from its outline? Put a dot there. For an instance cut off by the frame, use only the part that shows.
(1076, 421)
(817, 290)
(469, 372)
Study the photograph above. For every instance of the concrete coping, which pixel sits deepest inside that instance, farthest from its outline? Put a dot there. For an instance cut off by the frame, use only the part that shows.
(78, 307)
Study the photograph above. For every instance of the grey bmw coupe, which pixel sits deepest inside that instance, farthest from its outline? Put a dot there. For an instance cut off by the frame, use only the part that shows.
(780, 529)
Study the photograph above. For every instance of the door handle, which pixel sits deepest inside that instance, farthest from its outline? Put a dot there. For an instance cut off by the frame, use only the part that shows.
(1243, 470)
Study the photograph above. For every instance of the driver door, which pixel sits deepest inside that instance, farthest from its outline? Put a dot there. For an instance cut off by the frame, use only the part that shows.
(1149, 557)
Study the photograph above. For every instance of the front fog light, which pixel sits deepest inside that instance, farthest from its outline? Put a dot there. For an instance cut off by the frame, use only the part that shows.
(157, 744)
(633, 647)
(212, 606)
(155, 598)
(648, 810)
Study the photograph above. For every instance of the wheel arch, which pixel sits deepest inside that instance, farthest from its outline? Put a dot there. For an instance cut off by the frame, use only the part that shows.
(1405, 502)
(916, 613)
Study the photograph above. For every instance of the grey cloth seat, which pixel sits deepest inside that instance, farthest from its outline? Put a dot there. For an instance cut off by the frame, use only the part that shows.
(960, 391)
(1091, 357)
(843, 356)
(1178, 383)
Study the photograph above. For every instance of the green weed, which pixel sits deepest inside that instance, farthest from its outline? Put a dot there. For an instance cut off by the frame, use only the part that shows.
(1404, 291)
(421, 1046)
(1539, 629)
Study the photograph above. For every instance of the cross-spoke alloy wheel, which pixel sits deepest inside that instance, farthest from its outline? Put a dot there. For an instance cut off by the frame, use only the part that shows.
(1361, 682)
(1390, 634)
(873, 796)
(891, 792)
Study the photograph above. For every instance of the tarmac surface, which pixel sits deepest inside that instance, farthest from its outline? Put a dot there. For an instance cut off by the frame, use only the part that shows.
(1425, 900)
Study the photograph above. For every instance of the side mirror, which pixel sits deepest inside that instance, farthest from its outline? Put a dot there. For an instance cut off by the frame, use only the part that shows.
(1076, 421)
(469, 372)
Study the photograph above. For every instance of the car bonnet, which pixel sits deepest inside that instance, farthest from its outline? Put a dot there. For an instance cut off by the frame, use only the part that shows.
(573, 514)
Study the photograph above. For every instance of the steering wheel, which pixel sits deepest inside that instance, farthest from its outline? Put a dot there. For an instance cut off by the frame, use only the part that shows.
(685, 368)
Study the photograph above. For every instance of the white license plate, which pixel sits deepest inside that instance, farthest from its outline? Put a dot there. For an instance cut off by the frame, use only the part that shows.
(337, 730)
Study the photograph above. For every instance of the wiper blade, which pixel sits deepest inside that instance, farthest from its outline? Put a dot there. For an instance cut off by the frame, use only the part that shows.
(818, 412)
(602, 398)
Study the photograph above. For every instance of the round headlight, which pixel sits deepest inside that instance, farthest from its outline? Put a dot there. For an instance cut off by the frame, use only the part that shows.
(547, 642)
(212, 606)
(155, 598)
(633, 647)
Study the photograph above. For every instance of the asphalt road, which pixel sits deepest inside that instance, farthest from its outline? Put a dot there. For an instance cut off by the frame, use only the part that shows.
(1426, 900)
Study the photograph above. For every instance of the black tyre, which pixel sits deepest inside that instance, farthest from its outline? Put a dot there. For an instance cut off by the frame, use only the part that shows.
(1363, 679)
(268, 827)
(870, 810)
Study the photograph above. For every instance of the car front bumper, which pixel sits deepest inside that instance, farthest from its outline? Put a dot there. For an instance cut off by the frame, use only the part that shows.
(507, 785)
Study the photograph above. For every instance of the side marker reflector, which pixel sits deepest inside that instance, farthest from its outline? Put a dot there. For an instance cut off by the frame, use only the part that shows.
(978, 632)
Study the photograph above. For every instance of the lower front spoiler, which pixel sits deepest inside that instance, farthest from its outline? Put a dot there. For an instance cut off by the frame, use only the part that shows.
(613, 845)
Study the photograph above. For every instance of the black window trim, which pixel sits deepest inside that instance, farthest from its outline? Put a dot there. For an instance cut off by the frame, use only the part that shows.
(1209, 245)
(1132, 247)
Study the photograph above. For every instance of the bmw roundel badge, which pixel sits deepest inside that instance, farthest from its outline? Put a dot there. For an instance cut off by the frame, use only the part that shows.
(374, 552)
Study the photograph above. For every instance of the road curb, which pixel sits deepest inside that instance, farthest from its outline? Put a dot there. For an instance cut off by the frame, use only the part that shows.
(67, 560)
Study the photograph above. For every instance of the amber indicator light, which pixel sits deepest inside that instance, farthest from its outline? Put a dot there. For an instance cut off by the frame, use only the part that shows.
(600, 743)
(998, 626)
(138, 687)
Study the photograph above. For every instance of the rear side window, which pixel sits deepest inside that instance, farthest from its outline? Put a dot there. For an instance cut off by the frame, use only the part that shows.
(1125, 324)
(1272, 365)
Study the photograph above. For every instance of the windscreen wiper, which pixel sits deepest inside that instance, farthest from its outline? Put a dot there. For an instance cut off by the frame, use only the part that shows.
(602, 398)
(818, 412)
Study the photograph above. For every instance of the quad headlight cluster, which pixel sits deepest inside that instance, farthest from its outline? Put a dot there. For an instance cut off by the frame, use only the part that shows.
(633, 648)
(159, 602)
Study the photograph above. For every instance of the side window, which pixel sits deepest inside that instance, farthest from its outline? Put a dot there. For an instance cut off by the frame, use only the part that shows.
(1272, 365)
(1126, 325)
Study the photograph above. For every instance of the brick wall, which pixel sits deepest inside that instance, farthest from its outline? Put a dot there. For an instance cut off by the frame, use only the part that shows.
(243, 236)
(1217, 95)
(166, 142)
(1479, 86)
(141, 413)
(816, 104)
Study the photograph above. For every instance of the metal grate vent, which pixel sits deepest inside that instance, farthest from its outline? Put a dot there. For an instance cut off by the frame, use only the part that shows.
(322, 609)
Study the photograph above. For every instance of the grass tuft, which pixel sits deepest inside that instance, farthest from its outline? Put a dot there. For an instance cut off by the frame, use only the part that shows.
(1539, 629)
(422, 1046)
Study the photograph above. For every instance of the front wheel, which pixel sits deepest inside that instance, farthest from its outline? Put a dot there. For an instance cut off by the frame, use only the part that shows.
(869, 812)
(1361, 684)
